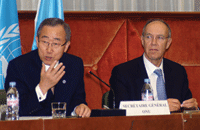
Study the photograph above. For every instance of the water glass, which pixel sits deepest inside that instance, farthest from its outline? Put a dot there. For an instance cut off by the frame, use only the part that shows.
(58, 109)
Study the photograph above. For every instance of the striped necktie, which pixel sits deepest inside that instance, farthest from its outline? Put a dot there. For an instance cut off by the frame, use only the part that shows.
(160, 85)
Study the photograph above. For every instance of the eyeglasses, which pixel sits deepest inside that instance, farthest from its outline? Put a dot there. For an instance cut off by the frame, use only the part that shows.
(54, 45)
(159, 38)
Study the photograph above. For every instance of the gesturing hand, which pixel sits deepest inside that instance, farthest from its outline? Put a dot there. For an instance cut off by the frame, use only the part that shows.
(51, 77)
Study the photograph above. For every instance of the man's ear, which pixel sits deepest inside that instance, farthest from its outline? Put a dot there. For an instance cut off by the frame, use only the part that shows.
(168, 43)
(67, 46)
(142, 40)
(37, 40)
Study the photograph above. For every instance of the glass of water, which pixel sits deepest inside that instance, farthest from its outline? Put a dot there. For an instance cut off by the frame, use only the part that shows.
(58, 109)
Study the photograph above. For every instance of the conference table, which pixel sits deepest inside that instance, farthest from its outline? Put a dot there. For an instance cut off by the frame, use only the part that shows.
(174, 121)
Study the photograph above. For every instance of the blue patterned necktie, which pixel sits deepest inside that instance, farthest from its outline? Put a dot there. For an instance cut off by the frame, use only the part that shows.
(160, 85)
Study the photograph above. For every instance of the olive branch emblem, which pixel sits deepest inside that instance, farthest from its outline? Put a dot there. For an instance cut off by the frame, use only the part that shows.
(12, 31)
(6, 39)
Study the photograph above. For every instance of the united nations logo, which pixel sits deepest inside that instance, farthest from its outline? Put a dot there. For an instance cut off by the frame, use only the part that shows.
(10, 48)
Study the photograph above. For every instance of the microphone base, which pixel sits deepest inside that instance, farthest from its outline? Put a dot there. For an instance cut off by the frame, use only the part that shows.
(107, 112)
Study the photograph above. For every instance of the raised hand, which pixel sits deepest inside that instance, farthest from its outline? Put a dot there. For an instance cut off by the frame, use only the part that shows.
(49, 78)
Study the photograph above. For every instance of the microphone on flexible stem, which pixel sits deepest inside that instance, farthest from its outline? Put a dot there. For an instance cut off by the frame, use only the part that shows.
(106, 85)
(107, 112)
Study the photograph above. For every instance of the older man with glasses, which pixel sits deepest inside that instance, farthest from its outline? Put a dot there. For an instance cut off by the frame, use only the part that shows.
(168, 79)
(48, 74)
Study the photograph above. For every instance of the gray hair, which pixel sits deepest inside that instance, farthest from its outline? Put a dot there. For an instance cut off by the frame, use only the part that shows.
(54, 22)
(160, 20)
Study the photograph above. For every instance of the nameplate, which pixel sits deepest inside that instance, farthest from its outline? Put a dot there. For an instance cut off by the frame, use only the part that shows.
(138, 108)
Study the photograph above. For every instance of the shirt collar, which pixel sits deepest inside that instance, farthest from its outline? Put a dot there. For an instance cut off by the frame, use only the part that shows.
(151, 67)
(47, 66)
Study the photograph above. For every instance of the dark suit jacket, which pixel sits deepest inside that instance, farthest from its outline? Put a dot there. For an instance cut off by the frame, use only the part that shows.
(25, 71)
(127, 80)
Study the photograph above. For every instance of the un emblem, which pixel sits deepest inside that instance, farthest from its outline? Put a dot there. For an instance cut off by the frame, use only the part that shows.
(10, 48)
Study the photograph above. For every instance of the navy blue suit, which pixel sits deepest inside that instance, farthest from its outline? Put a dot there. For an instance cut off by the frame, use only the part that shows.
(127, 80)
(25, 71)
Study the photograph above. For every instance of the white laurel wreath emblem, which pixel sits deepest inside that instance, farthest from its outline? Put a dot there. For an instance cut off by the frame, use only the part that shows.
(5, 37)
(12, 31)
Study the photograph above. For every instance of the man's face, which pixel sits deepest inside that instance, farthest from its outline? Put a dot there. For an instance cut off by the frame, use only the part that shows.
(50, 43)
(155, 41)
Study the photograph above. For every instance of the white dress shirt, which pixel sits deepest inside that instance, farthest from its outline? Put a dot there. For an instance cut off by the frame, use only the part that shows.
(150, 68)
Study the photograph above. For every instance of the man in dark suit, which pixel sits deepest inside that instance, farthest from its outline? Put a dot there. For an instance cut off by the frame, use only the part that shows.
(127, 79)
(48, 74)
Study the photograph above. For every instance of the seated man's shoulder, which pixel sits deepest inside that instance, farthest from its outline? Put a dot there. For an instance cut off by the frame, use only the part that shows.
(170, 62)
(71, 57)
(24, 58)
(173, 65)
(130, 64)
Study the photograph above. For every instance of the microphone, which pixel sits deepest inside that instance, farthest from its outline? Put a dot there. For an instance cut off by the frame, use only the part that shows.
(106, 85)
(107, 112)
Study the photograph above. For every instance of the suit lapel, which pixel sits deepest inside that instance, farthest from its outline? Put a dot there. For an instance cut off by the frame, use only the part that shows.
(35, 69)
(142, 74)
(168, 78)
(61, 89)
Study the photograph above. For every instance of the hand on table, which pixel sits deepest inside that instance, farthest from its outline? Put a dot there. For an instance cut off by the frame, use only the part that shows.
(190, 103)
(83, 110)
(174, 104)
